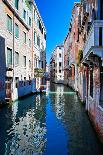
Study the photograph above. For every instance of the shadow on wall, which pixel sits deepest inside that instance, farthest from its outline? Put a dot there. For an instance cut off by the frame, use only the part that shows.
(2, 70)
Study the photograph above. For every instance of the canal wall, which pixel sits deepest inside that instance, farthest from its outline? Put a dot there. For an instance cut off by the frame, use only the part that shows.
(94, 110)
(24, 90)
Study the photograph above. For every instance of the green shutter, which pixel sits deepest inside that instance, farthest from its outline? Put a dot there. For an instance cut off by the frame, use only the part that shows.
(9, 23)
(16, 30)
(9, 56)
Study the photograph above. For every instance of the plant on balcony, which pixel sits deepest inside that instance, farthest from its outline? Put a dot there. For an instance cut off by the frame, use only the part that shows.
(80, 57)
(27, 3)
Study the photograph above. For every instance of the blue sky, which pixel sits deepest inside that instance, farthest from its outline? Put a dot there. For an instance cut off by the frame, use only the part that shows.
(56, 15)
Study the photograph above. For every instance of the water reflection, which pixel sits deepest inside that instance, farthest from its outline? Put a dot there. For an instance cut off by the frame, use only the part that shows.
(27, 134)
(54, 123)
(59, 102)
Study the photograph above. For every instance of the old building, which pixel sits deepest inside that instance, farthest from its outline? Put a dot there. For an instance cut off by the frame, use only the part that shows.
(92, 68)
(57, 65)
(17, 26)
(73, 47)
(39, 48)
(83, 51)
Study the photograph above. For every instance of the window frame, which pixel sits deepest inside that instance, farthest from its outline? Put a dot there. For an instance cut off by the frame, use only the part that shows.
(9, 19)
(16, 58)
(16, 30)
(8, 57)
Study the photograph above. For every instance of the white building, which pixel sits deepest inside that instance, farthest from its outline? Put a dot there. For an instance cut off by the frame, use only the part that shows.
(57, 65)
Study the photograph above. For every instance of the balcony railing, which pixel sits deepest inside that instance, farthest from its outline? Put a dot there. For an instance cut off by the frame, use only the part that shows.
(95, 37)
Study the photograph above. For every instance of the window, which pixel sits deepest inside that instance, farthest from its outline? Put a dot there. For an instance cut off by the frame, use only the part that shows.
(29, 43)
(101, 9)
(16, 31)
(34, 37)
(42, 64)
(30, 80)
(24, 14)
(17, 4)
(24, 61)
(9, 23)
(38, 23)
(91, 82)
(38, 41)
(24, 37)
(59, 71)
(16, 58)
(34, 15)
(9, 56)
(42, 46)
(101, 86)
(24, 81)
(100, 36)
(42, 30)
(60, 64)
(44, 36)
(29, 64)
(29, 21)
(16, 82)
(60, 55)
(36, 63)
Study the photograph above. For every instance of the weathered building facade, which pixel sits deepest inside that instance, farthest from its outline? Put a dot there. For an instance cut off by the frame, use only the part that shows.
(92, 69)
(85, 46)
(17, 27)
(73, 47)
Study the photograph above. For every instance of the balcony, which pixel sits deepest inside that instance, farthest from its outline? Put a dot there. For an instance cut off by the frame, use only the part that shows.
(94, 40)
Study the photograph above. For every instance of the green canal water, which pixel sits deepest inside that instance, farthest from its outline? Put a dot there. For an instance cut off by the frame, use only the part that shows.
(54, 123)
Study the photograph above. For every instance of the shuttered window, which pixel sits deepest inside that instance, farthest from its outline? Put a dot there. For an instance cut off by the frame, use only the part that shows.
(17, 4)
(9, 23)
(34, 38)
(24, 61)
(9, 56)
(38, 41)
(16, 30)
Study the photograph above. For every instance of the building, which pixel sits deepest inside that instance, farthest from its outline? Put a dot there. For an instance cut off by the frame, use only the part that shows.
(18, 24)
(92, 64)
(57, 65)
(72, 47)
(83, 58)
(39, 48)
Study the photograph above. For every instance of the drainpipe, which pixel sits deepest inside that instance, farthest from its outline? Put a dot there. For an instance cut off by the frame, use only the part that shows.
(13, 57)
(32, 43)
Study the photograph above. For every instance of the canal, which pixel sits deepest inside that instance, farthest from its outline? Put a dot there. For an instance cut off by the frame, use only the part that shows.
(54, 123)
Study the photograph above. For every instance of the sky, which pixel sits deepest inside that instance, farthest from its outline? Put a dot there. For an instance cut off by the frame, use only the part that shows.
(56, 15)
